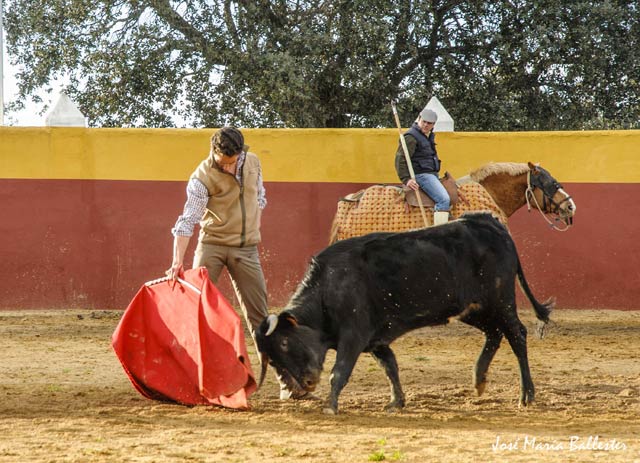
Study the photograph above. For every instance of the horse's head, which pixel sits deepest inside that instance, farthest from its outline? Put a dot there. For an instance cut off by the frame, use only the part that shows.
(549, 194)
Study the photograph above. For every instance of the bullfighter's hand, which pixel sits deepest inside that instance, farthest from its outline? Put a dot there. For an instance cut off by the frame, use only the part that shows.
(174, 271)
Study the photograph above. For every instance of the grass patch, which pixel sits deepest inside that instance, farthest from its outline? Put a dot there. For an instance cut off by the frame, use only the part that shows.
(380, 455)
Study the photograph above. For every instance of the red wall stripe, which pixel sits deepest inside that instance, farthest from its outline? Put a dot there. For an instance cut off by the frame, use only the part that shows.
(91, 244)
(594, 265)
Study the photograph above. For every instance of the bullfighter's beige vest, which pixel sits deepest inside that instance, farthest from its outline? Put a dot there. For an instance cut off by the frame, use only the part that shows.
(232, 217)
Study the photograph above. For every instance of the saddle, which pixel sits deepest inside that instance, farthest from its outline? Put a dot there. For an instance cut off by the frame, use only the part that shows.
(447, 181)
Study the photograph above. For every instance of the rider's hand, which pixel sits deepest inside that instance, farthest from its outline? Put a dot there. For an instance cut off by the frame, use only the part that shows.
(413, 185)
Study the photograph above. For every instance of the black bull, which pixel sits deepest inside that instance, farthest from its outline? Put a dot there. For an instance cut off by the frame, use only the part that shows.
(360, 294)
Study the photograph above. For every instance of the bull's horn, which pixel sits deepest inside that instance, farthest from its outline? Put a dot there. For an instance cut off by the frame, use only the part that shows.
(272, 320)
(264, 359)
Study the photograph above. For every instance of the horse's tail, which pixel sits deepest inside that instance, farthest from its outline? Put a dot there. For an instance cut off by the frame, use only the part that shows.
(543, 310)
(333, 235)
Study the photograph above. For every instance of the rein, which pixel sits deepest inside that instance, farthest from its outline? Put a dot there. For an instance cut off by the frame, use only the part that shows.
(529, 194)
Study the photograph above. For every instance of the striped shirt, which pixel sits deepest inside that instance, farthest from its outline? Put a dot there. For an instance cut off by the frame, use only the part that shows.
(198, 197)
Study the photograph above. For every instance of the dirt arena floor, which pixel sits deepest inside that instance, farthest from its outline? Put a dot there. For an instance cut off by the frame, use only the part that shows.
(65, 398)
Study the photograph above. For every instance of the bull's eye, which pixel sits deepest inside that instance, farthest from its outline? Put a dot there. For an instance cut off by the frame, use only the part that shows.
(284, 344)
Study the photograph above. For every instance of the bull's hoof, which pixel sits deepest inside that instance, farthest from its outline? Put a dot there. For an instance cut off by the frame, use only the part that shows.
(526, 400)
(329, 411)
(480, 388)
(394, 406)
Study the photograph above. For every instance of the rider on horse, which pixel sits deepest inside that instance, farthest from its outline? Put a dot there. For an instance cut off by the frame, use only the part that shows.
(421, 146)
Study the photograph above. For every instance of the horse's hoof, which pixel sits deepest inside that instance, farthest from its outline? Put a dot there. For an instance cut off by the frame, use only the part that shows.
(480, 388)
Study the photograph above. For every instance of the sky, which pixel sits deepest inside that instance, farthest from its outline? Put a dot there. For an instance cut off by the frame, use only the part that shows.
(29, 116)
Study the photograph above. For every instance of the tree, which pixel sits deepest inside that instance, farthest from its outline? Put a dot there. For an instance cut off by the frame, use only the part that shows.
(496, 65)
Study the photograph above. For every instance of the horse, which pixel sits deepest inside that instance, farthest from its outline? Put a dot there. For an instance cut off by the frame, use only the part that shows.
(500, 188)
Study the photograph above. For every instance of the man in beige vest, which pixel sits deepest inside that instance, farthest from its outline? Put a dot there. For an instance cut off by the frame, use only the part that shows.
(226, 195)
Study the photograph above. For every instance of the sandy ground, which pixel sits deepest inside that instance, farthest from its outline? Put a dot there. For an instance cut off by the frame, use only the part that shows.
(65, 398)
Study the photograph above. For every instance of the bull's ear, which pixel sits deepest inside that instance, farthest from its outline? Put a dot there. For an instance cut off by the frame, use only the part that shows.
(291, 319)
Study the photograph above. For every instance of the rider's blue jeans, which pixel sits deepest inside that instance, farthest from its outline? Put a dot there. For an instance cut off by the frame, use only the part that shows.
(430, 184)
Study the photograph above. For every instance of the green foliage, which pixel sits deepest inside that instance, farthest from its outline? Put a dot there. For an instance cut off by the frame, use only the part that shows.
(377, 456)
(380, 455)
(495, 65)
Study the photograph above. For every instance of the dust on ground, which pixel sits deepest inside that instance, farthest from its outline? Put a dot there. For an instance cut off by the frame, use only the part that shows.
(65, 398)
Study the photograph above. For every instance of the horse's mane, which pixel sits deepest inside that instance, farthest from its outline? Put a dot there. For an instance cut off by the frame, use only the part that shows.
(493, 168)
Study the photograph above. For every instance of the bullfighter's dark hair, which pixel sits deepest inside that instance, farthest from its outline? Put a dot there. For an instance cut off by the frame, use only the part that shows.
(228, 141)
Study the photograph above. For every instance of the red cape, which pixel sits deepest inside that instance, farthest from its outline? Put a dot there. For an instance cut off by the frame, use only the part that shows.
(180, 346)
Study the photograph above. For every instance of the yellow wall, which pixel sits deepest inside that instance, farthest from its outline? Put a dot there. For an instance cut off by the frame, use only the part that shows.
(307, 155)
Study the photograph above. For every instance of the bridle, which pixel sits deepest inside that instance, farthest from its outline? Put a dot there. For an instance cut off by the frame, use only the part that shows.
(549, 190)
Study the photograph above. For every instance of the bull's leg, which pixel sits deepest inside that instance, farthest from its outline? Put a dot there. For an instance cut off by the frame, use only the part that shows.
(346, 357)
(516, 334)
(387, 360)
(491, 345)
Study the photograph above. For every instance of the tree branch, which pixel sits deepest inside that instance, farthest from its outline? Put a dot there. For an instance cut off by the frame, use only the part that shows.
(210, 51)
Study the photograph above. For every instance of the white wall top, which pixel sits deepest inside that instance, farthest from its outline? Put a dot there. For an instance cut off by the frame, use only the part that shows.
(65, 114)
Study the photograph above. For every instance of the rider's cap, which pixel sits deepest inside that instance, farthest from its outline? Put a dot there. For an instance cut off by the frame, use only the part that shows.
(428, 115)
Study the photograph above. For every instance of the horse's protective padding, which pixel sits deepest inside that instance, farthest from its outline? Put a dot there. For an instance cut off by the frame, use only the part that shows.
(180, 346)
(382, 208)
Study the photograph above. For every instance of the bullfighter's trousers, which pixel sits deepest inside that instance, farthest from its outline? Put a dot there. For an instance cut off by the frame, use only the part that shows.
(243, 265)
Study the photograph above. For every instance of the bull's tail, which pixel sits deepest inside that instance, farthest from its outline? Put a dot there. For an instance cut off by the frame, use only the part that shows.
(543, 310)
